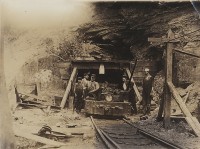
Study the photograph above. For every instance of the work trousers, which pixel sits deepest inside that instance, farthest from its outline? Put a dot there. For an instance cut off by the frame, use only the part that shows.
(78, 103)
(146, 102)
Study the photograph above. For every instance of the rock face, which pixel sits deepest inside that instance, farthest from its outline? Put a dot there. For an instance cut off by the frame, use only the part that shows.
(122, 28)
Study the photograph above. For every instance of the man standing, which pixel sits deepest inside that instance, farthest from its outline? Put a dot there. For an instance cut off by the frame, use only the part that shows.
(131, 96)
(147, 88)
(85, 83)
(78, 93)
(93, 86)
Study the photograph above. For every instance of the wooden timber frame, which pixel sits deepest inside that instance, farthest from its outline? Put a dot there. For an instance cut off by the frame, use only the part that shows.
(169, 88)
(90, 64)
(94, 64)
(139, 97)
(69, 87)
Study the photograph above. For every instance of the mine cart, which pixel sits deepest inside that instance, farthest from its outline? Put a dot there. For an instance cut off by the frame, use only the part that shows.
(110, 100)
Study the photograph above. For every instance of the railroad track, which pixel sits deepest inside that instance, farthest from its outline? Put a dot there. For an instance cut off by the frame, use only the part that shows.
(122, 134)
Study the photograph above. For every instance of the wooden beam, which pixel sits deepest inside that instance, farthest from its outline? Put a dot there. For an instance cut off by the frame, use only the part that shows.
(30, 136)
(31, 95)
(190, 119)
(7, 140)
(134, 86)
(69, 85)
(161, 109)
(188, 53)
(166, 40)
(162, 40)
(168, 78)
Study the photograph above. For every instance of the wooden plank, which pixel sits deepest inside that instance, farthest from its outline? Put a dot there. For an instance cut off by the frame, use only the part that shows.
(193, 126)
(162, 40)
(134, 86)
(196, 122)
(31, 95)
(186, 97)
(69, 85)
(188, 53)
(191, 121)
(30, 136)
(146, 63)
(168, 78)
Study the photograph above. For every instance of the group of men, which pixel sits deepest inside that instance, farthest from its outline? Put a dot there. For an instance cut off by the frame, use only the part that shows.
(83, 88)
(89, 87)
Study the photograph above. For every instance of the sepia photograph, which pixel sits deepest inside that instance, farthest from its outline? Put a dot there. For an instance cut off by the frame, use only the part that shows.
(77, 74)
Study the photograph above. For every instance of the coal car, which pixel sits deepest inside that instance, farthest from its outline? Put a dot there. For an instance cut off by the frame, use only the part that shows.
(111, 99)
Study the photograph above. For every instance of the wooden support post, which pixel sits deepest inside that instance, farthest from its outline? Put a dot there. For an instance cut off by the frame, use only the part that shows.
(7, 140)
(169, 87)
(168, 73)
(160, 111)
(168, 78)
(69, 86)
(134, 86)
(167, 107)
(174, 70)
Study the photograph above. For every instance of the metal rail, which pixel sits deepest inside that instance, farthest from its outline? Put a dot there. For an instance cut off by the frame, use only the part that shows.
(110, 143)
(162, 141)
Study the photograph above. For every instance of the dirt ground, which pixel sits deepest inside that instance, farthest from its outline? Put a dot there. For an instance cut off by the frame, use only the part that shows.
(31, 120)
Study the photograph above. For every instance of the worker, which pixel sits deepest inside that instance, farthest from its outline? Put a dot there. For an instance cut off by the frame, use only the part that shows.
(93, 87)
(131, 96)
(85, 83)
(147, 88)
(78, 94)
(124, 83)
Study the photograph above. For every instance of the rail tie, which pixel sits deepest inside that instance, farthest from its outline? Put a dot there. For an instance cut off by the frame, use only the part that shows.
(110, 143)
(162, 141)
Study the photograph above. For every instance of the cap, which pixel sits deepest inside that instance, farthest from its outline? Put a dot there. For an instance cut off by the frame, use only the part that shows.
(146, 69)
(93, 75)
(86, 74)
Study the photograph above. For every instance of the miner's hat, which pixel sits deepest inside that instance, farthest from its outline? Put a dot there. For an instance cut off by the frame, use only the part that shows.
(146, 69)
(93, 75)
